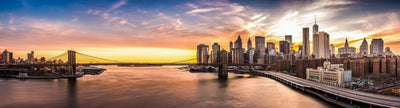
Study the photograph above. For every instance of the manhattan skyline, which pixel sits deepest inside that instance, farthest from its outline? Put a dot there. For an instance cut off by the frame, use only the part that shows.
(127, 30)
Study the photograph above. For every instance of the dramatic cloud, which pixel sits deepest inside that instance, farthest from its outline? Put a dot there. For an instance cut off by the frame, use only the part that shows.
(117, 5)
(183, 25)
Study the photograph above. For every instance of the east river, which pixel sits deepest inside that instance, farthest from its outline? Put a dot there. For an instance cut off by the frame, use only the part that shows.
(160, 87)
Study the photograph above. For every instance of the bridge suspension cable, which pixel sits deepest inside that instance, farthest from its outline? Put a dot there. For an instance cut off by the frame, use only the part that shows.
(182, 61)
(98, 58)
(63, 54)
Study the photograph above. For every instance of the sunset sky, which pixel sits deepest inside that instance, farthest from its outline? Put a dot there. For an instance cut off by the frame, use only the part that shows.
(161, 30)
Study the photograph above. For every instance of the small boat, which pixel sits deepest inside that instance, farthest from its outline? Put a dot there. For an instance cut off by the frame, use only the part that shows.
(92, 70)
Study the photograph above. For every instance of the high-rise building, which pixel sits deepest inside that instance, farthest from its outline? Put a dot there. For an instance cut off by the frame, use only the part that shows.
(11, 58)
(332, 50)
(376, 46)
(299, 50)
(288, 38)
(202, 53)
(364, 48)
(238, 52)
(230, 52)
(270, 46)
(306, 43)
(260, 49)
(284, 47)
(238, 42)
(321, 45)
(315, 26)
(215, 52)
(230, 46)
(346, 50)
(250, 55)
(6, 56)
(30, 57)
(249, 44)
(388, 52)
(315, 45)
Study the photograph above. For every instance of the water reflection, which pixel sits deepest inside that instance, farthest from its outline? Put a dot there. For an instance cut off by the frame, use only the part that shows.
(164, 87)
(72, 97)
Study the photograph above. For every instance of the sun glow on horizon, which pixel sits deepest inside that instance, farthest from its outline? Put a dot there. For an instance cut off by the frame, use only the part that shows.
(123, 54)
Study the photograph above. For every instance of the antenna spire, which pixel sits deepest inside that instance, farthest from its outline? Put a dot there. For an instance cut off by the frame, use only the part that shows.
(315, 18)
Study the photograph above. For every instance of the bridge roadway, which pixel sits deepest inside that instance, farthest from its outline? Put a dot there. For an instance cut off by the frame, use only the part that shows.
(365, 97)
(141, 64)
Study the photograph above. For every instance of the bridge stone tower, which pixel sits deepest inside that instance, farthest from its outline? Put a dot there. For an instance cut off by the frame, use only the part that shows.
(71, 62)
(223, 64)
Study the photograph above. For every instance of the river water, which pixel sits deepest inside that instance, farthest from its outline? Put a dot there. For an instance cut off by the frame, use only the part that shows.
(161, 87)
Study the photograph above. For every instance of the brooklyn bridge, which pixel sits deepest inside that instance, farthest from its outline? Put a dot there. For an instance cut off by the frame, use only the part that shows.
(72, 57)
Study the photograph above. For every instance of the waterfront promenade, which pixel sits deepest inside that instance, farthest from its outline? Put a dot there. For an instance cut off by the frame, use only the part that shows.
(364, 97)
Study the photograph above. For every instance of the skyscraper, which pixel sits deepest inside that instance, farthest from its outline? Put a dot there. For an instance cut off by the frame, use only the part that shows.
(376, 46)
(215, 52)
(284, 47)
(288, 38)
(306, 43)
(250, 55)
(260, 49)
(322, 45)
(315, 45)
(238, 52)
(202, 53)
(332, 50)
(238, 42)
(230, 46)
(6, 57)
(270, 46)
(249, 44)
(364, 48)
(30, 57)
(347, 50)
(230, 52)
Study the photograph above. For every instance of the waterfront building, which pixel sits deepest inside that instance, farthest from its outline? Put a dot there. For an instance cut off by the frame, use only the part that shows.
(238, 56)
(11, 57)
(215, 52)
(202, 53)
(376, 47)
(330, 74)
(260, 49)
(347, 51)
(284, 47)
(250, 55)
(6, 56)
(321, 45)
(364, 48)
(306, 43)
(42, 59)
(31, 57)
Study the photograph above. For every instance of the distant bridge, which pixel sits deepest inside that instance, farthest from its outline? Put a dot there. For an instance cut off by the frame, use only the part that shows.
(71, 63)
